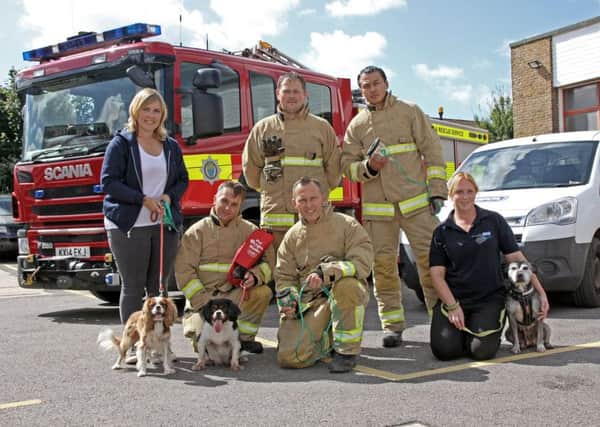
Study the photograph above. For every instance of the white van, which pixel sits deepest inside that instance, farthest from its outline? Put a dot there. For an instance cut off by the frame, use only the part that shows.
(548, 189)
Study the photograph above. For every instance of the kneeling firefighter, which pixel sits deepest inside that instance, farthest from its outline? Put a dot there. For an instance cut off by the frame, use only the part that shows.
(222, 256)
(322, 264)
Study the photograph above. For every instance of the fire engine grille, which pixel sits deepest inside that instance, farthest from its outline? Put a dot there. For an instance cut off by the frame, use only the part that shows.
(67, 192)
(82, 238)
(68, 209)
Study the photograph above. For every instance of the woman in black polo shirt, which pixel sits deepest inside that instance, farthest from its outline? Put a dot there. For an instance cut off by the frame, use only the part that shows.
(465, 262)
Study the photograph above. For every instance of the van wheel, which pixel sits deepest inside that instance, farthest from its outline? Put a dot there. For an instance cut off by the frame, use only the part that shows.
(588, 293)
(409, 274)
(111, 297)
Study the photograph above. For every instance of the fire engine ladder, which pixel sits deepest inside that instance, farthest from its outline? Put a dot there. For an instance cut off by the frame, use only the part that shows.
(266, 52)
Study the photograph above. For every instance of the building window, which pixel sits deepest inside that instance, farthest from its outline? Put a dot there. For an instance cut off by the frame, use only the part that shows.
(582, 107)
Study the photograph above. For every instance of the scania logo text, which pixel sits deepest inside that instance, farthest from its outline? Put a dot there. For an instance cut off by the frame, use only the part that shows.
(68, 172)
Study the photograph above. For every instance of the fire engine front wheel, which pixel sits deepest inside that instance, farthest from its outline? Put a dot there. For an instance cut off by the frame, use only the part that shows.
(111, 297)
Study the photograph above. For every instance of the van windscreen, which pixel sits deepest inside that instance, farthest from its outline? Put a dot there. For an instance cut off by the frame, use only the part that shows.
(532, 165)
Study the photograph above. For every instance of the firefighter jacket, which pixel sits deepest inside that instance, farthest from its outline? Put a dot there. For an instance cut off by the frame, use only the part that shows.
(205, 255)
(337, 244)
(308, 148)
(415, 171)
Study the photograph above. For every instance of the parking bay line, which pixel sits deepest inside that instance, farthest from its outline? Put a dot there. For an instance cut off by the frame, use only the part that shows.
(391, 376)
(464, 366)
(19, 404)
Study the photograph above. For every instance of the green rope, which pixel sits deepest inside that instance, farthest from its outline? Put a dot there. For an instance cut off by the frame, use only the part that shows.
(385, 153)
(323, 352)
(168, 216)
(482, 333)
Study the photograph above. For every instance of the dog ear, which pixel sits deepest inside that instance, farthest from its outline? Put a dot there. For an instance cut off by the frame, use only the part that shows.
(234, 311)
(171, 312)
(533, 268)
(207, 311)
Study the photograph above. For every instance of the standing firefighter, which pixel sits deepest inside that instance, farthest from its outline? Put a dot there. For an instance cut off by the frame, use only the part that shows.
(391, 148)
(321, 267)
(204, 259)
(284, 147)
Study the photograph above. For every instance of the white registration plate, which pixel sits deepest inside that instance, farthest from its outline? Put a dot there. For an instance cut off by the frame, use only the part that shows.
(74, 251)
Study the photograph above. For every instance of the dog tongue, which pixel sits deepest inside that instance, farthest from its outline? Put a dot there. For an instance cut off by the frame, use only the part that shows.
(218, 324)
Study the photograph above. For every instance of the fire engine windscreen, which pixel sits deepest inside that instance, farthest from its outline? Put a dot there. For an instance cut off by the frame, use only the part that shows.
(74, 116)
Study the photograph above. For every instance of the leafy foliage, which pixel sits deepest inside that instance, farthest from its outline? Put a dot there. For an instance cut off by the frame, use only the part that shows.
(11, 130)
(499, 120)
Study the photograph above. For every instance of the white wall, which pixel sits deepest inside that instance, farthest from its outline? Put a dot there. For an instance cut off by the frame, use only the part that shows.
(576, 56)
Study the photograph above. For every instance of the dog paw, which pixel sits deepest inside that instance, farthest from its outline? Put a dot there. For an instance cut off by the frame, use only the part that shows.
(117, 366)
(541, 348)
(515, 350)
(235, 366)
(142, 373)
(198, 366)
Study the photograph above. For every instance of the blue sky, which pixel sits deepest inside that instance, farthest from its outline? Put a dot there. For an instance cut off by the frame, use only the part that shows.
(450, 53)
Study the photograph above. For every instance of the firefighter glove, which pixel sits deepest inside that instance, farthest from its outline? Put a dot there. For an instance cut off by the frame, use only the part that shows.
(273, 171)
(272, 146)
(436, 204)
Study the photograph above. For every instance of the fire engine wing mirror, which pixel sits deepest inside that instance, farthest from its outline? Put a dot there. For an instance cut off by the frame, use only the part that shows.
(207, 78)
(207, 108)
(140, 77)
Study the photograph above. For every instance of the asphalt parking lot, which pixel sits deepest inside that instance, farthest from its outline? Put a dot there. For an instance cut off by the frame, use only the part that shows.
(53, 374)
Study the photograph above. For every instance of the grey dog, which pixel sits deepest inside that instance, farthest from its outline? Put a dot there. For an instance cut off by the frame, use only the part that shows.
(522, 305)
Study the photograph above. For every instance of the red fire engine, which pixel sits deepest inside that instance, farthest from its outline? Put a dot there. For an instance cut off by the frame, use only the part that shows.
(77, 96)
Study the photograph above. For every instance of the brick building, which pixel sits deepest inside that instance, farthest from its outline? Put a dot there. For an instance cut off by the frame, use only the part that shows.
(556, 80)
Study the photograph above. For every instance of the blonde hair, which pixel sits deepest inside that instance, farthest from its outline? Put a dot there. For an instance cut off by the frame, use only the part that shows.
(139, 101)
(456, 178)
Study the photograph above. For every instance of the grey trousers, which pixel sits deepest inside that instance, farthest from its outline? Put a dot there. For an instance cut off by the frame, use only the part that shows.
(137, 255)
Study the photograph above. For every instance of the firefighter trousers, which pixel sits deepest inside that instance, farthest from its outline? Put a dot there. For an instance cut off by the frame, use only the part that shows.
(305, 340)
(385, 236)
(253, 310)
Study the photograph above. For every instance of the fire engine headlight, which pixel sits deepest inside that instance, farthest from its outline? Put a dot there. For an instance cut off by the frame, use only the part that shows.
(23, 242)
(561, 212)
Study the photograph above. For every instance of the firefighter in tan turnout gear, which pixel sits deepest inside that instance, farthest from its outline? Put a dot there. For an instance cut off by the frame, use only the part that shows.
(282, 148)
(322, 263)
(404, 185)
(204, 258)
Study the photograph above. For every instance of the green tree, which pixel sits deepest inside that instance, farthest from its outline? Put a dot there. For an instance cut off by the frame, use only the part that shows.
(499, 120)
(11, 130)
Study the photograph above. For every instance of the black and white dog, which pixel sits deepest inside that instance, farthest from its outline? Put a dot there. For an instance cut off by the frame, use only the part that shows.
(522, 305)
(219, 341)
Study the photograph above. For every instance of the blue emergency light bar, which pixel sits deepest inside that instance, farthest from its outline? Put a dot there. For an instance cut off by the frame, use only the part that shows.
(89, 41)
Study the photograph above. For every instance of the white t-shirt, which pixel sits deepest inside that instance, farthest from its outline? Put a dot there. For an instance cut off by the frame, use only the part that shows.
(154, 173)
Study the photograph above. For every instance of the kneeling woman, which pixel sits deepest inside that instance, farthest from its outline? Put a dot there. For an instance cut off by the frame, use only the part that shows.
(465, 261)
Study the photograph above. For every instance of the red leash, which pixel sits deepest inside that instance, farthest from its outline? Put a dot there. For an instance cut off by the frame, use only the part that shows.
(161, 286)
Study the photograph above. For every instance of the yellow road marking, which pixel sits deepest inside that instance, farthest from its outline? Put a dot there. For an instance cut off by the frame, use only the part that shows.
(266, 342)
(464, 366)
(81, 293)
(21, 403)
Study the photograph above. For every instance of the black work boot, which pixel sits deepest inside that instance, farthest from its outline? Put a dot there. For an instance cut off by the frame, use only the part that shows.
(252, 347)
(342, 363)
(392, 339)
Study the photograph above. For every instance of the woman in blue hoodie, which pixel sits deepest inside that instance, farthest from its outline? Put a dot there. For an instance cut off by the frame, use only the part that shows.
(142, 168)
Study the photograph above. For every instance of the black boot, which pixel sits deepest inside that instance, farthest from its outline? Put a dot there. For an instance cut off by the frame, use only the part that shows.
(392, 339)
(252, 347)
(342, 363)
